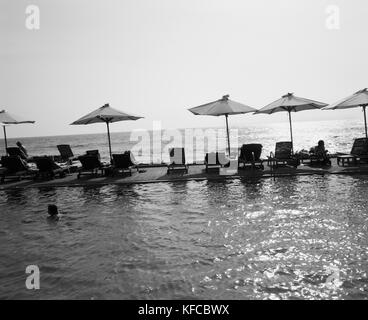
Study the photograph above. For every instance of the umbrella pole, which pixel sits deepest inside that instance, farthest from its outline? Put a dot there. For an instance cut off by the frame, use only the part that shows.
(227, 130)
(291, 134)
(108, 135)
(5, 140)
(365, 122)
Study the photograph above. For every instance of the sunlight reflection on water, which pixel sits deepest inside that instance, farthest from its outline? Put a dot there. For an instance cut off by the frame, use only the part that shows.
(258, 239)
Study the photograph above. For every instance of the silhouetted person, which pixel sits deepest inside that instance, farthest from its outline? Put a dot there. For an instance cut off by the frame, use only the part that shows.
(320, 150)
(22, 149)
(53, 212)
(321, 153)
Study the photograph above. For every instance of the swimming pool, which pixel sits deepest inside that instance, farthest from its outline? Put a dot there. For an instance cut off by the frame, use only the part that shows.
(255, 239)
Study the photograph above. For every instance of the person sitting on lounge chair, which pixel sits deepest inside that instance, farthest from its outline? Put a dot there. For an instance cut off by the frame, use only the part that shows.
(319, 150)
(22, 149)
(319, 153)
(17, 152)
(15, 168)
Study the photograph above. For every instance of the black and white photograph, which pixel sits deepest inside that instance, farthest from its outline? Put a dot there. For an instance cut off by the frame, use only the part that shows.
(171, 150)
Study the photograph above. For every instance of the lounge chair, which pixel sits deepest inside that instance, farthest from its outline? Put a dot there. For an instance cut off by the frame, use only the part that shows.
(250, 156)
(48, 168)
(304, 155)
(15, 168)
(177, 160)
(66, 152)
(15, 151)
(317, 158)
(93, 153)
(283, 155)
(124, 162)
(358, 154)
(215, 160)
(91, 164)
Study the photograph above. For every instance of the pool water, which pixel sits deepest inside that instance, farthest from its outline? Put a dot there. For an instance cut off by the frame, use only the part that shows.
(289, 238)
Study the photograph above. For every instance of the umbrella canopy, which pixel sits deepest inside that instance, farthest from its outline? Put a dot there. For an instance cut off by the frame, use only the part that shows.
(107, 115)
(222, 107)
(6, 119)
(291, 103)
(358, 99)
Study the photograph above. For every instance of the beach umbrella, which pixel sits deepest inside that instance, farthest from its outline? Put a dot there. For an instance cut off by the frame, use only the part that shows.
(7, 119)
(107, 115)
(222, 107)
(291, 103)
(358, 99)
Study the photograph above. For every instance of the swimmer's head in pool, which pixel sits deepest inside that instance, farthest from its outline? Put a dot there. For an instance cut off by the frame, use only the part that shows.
(53, 210)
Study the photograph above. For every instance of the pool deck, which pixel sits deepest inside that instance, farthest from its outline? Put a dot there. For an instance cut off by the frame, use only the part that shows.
(196, 172)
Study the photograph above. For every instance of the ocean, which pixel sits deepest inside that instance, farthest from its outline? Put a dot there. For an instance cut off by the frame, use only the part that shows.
(338, 136)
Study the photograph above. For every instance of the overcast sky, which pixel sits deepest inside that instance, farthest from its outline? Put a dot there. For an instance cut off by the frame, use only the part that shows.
(156, 58)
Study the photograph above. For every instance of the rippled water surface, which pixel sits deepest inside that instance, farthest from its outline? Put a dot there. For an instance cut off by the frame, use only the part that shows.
(300, 237)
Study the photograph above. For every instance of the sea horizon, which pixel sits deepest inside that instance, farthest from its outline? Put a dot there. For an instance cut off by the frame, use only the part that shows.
(337, 134)
(235, 125)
